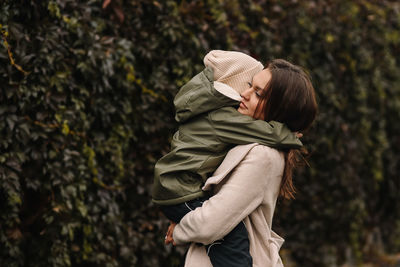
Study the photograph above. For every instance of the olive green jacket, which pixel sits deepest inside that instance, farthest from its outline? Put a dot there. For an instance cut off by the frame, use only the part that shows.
(209, 127)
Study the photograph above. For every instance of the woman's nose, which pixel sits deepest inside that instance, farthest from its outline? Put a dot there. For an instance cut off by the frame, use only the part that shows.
(246, 93)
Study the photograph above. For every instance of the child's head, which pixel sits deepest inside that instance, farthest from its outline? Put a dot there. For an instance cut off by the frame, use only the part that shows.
(281, 92)
(232, 68)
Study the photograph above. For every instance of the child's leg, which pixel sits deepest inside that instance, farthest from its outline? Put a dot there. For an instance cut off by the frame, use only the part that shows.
(233, 250)
(176, 212)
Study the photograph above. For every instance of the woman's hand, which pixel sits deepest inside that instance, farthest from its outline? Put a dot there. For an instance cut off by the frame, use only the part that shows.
(168, 238)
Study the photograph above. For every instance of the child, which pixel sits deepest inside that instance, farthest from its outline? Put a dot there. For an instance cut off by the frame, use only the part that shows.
(210, 126)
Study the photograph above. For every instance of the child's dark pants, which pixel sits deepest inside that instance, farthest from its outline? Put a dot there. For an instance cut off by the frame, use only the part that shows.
(232, 250)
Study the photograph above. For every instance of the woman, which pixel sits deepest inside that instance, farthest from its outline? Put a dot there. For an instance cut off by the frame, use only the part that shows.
(251, 177)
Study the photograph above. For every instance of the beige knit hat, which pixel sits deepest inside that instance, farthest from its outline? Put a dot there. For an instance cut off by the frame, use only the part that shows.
(232, 68)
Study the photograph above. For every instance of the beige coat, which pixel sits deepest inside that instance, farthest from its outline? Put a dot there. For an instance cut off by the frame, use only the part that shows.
(247, 185)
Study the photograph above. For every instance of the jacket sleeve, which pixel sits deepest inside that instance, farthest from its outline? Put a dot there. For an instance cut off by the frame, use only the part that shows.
(199, 96)
(238, 197)
(232, 127)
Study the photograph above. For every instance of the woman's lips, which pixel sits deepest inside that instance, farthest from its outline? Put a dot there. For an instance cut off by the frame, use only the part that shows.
(242, 105)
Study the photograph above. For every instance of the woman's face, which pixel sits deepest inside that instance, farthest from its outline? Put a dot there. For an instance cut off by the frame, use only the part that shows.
(251, 96)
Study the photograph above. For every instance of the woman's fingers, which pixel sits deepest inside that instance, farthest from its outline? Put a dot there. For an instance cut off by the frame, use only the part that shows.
(171, 229)
(168, 238)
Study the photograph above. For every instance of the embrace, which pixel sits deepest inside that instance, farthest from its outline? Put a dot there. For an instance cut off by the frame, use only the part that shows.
(232, 157)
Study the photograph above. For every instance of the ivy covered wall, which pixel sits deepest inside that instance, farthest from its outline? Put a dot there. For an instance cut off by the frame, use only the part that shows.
(86, 110)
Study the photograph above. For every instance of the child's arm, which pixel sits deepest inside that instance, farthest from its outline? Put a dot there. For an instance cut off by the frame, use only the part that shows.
(232, 127)
(199, 96)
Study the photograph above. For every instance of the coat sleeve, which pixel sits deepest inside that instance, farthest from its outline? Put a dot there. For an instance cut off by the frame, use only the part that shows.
(199, 96)
(242, 193)
(232, 127)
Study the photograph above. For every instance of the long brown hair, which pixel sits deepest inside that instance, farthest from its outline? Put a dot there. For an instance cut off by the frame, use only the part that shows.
(289, 98)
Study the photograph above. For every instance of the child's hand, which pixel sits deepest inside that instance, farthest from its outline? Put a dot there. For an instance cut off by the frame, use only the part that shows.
(168, 238)
(298, 134)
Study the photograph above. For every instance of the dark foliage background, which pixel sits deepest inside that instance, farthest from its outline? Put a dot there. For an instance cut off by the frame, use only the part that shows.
(86, 110)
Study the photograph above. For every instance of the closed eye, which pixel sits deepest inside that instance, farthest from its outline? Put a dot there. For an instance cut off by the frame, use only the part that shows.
(249, 84)
(258, 91)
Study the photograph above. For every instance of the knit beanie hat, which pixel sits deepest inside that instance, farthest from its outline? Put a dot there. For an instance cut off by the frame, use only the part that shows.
(232, 68)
